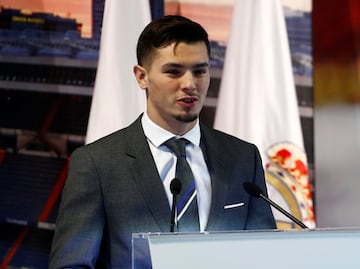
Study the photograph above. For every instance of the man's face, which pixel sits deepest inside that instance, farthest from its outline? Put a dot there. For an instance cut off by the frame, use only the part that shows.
(176, 84)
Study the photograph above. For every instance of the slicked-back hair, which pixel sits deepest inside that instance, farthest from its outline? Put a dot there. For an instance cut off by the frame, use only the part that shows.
(165, 31)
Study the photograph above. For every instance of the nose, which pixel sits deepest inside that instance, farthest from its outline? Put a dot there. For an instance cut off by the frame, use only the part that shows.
(188, 81)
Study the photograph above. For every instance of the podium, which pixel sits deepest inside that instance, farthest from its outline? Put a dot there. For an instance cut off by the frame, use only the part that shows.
(315, 248)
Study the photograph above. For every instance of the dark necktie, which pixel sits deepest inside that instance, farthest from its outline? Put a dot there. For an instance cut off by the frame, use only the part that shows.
(186, 205)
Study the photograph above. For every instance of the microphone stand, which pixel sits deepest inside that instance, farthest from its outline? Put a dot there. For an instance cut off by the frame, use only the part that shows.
(298, 222)
(173, 214)
(254, 190)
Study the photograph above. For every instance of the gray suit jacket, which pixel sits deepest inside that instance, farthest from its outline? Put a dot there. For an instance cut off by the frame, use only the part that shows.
(113, 190)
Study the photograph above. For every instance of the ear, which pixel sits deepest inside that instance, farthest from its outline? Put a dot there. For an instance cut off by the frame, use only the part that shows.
(141, 76)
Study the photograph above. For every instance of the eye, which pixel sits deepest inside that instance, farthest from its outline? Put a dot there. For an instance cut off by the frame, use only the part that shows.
(199, 72)
(172, 71)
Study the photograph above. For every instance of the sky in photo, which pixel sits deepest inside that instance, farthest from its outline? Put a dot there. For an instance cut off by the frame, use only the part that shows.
(76, 9)
(304, 5)
(216, 15)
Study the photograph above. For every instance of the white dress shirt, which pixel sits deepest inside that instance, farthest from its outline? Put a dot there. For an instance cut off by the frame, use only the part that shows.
(165, 161)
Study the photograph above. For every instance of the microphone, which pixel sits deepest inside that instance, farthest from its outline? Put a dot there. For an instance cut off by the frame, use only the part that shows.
(175, 188)
(254, 190)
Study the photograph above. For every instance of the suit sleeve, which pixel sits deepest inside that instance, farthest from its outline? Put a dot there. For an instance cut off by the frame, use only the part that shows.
(80, 221)
(259, 214)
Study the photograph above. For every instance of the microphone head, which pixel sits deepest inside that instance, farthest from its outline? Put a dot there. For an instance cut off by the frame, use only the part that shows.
(175, 186)
(252, 189)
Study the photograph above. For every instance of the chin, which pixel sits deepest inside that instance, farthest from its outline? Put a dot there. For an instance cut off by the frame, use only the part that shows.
(187, 118)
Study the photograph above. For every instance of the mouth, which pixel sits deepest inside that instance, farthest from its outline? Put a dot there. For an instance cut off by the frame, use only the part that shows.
(188, 100)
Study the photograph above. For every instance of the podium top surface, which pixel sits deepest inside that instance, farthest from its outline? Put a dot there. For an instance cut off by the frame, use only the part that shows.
(298, 249)
(254, 233)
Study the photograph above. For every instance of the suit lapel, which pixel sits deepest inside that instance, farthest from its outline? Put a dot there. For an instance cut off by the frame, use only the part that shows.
(147, 177)
(220, 168)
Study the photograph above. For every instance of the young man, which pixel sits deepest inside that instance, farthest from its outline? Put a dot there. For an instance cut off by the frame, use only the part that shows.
(120, 184)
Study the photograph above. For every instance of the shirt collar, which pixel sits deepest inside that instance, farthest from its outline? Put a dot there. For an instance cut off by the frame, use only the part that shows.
(157, 135)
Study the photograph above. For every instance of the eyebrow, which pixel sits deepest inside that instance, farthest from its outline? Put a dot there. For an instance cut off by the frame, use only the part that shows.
(199, 65)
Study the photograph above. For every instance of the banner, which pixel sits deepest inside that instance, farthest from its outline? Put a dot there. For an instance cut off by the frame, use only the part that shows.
(257, 102)
(117, 99)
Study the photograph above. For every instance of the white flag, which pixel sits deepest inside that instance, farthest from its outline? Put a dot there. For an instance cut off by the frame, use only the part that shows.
(257, 102)
(117, 99)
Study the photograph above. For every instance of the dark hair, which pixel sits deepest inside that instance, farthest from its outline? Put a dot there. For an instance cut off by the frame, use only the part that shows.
(166, 30)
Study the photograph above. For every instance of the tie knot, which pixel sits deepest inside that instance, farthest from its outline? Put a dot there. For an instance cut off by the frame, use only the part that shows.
(177, 145)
